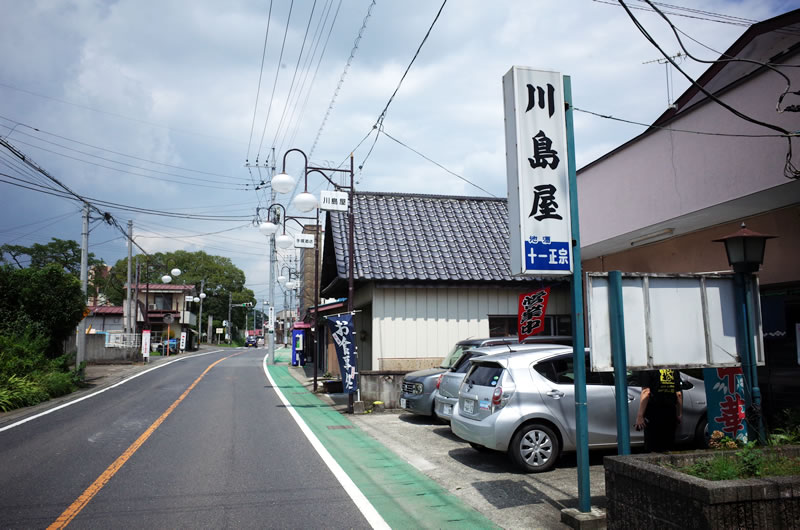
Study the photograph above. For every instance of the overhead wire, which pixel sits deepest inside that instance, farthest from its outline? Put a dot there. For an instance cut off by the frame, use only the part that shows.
(437, 164)
(275, 83)
(341, 77)
(190, 180)
(133, 157)
(790, 171)
(379, 122)
(294, 76)
(258, 87)
(291, 123)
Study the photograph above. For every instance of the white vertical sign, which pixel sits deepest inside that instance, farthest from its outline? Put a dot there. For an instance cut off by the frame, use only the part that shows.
(538, 181)
(183, 340)
(271, 319)
(146, 344)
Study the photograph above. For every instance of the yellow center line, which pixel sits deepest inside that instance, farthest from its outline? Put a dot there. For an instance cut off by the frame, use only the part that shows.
(80, 503)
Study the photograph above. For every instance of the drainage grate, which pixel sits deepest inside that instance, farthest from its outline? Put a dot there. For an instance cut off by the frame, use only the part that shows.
(340, 427)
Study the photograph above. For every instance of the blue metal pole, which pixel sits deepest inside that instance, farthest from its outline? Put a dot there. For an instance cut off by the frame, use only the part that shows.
(578, 351)
(749, 311)
(743, 338)
(617, 320)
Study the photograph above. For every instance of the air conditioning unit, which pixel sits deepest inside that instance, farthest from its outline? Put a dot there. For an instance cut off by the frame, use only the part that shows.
(151, 307)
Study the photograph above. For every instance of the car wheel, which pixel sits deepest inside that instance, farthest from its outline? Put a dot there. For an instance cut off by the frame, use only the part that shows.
(534, 448)
(701, 434)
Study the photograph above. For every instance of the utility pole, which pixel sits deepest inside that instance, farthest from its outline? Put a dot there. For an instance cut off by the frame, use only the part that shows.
(136, 298)
(81, 342)
(200, 315)
(128, 320)
(230, 326)
(271, 280)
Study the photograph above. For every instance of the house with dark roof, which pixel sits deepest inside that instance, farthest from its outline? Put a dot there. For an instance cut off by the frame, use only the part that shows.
(429, 271)
(657, 202)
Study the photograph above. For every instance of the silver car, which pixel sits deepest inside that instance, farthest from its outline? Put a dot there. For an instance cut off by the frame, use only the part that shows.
(524, 404)
(447, 386)
(419, 388)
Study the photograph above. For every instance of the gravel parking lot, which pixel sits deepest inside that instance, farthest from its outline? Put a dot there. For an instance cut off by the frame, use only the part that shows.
(486, 480)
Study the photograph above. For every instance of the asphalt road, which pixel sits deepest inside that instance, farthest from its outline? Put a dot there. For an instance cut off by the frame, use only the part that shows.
(227, 455)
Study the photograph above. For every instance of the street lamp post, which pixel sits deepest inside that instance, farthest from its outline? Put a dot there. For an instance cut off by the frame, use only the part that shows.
(305, 202)
(745, 251)
(167, 279)
(268, 228)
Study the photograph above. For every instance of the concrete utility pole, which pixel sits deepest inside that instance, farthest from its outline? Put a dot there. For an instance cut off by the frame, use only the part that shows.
(230, 325)
(128, 319)
(271, 356)
(81, 339)
(208, 329)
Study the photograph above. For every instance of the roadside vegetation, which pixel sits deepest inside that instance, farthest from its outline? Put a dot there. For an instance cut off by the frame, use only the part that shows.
(734, 460)
(39, 309)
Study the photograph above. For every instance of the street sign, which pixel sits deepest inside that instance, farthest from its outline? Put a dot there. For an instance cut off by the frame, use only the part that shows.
(304, 241)
(183, 340)
(220, 331)
(188, 298)
(271, 319)
(146, 343)
(333, 200)
(537, 171)
(169, 319)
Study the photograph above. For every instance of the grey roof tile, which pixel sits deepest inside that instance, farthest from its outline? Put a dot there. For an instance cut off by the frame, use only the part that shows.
(424, 237)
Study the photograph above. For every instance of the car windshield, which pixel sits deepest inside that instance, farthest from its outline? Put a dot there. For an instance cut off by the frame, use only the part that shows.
(453, 357)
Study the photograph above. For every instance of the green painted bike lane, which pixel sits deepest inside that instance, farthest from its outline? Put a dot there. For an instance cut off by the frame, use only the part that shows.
(404, 497)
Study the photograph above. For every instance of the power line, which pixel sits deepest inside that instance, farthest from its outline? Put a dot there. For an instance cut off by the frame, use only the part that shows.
(258, 88)
(17, 123)
(10, 87)
(191, 180)
(275, 84)
(379, 123)
(437, 164)
(294, 76)
(790, 171)
(341, 78)
(609, 117)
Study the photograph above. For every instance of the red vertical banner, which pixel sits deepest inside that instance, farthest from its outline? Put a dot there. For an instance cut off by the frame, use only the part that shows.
(531, 311)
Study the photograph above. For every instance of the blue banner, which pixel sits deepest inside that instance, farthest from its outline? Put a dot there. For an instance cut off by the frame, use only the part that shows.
(344, 339)
(725, 398)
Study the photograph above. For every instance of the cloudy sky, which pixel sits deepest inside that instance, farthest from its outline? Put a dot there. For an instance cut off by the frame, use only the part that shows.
(158, 105)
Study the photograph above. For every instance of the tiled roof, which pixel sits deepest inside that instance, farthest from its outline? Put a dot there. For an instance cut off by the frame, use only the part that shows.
(423, 238)
(164, 287)
(106, 309)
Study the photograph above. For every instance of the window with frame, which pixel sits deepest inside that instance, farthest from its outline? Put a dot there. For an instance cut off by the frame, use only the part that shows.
(505, 325)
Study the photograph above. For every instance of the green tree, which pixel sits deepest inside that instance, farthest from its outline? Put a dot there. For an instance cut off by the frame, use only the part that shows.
(46, 302)
(220, 274)
(63, 252)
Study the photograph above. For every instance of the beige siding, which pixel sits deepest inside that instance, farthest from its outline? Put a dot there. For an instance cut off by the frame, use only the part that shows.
(417, 327)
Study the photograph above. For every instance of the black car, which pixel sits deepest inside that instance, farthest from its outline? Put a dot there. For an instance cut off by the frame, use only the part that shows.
(252, 340)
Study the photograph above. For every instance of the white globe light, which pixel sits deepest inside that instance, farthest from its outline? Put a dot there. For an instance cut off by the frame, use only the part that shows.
(289, 285)
(166, 278)
(196, 299)
(305, 202)
(281, 279)
(175, 272)
(284, 241)
(268, 228)
(282, 183)
(202, 295)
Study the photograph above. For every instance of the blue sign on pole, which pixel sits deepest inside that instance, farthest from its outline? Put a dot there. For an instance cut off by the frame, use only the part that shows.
(342, 330)
(726, 404)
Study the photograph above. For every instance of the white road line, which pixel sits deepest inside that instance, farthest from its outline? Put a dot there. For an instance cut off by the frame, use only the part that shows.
(367, 509)
(97, 393)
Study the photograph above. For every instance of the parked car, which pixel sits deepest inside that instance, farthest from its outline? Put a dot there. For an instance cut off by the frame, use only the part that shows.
(251, 340)
(446, 395)
(159, 347)
(418, 389)
(524, 404)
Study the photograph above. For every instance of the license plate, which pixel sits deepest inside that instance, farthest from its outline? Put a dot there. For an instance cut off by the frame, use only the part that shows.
(469, 406)
(402, 403)
(447, 410)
